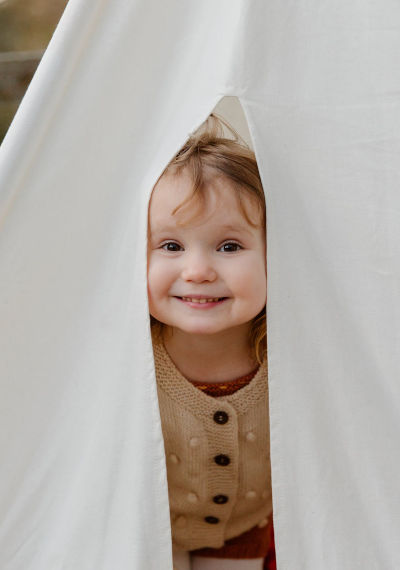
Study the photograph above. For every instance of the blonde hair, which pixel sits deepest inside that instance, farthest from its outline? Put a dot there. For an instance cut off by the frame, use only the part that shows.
(209, 153)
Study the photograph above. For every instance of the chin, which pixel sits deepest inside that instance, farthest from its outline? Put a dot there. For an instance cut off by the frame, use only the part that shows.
(195, 328)
(202, 329)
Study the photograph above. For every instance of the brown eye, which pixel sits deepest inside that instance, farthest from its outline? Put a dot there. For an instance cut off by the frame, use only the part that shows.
(230, 247)
(171, 246)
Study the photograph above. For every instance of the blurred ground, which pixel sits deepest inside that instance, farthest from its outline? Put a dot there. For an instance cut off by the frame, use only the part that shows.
(26, 27)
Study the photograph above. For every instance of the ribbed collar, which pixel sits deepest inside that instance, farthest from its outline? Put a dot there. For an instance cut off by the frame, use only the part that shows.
(177, 387)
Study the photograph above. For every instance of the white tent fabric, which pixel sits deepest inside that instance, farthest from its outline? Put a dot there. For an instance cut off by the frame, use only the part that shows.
(122, 84)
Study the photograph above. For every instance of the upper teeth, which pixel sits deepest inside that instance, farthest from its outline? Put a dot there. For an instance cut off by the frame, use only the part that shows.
(200, 300)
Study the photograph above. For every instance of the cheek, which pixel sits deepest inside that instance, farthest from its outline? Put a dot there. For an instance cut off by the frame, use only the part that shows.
(251, 279)
(256, 291)
(153, 277)
(160, 275)
(259, 290)
(155, 288)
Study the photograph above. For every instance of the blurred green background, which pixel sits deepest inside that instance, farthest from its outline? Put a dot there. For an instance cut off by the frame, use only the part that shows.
(26, 27)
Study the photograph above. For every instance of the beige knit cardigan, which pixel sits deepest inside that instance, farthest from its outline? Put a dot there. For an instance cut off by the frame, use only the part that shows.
(217, 453)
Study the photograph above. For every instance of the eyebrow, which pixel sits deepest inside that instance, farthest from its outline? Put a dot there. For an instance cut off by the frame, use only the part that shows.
(235, 228)
(224, 227)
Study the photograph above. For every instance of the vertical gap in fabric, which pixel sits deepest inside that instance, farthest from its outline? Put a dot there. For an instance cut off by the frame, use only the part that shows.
(230, 109)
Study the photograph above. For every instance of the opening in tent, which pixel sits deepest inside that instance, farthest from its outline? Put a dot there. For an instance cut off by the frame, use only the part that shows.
(207, 295)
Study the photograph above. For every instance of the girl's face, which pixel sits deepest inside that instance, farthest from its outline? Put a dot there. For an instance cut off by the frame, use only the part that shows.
(209, 274)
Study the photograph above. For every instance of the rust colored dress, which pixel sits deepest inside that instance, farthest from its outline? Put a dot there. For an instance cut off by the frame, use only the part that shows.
(257, 542)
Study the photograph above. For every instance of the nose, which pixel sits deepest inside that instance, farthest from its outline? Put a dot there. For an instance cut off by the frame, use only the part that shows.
(198, 268)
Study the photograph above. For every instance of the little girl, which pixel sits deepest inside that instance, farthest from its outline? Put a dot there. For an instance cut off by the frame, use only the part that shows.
(207, 290)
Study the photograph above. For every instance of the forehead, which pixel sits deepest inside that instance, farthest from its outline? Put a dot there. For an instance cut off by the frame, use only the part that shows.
(221, 202)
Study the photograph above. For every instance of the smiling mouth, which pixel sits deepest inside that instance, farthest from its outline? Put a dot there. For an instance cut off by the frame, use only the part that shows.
(202, 300)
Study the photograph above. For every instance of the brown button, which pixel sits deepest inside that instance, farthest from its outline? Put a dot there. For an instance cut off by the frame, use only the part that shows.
(211, 520)
(222, 460)
(221, 417)
(220, 499)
